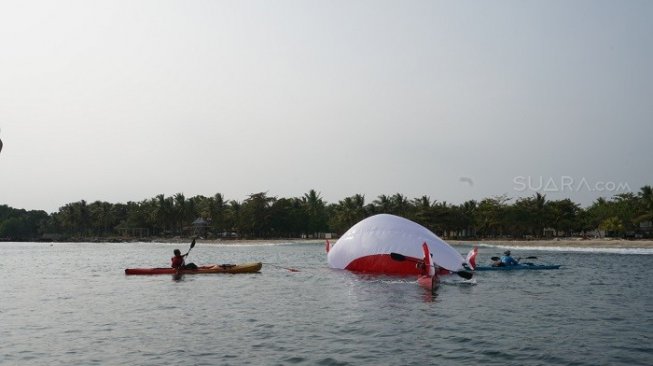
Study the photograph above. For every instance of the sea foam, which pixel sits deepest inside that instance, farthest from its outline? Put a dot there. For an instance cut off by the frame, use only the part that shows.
(639, 251)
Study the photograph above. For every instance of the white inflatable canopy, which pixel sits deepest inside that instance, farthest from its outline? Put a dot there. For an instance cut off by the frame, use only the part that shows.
(367, 245)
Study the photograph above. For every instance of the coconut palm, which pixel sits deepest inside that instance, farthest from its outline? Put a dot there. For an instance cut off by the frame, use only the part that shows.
(645, 197)
(315, 211)
(348, 212)
(255, 216)
(382, 204)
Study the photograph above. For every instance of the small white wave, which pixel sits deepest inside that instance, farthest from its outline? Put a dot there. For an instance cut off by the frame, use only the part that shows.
(640, 251)
(453, 282)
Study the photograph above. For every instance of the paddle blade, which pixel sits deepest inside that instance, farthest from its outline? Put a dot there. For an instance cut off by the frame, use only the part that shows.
(397, 256)
(495, 258)
(192, 244)
(286, 268)
(464, 274)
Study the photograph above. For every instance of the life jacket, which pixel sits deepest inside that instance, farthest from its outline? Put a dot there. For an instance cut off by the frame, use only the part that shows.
(177, 262)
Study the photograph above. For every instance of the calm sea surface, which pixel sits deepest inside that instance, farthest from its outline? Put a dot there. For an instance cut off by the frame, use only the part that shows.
(71, 304)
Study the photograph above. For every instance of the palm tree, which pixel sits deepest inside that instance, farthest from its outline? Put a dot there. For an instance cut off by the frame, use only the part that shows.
(645, 197)
(82, 216)
(540, 213)
(400, 204)
(348, 212)
(180, 210)
(66, 217)
(423, 211)
(255, 215)
(164, 214)
(564, 216)
(612, 226)
(232, 217)
(444, 217)
(468, 210)
(288, 217)
(490, 216)
(383, 204)
(626, 207)
(102, 217)
(315, 211)
(215, 210)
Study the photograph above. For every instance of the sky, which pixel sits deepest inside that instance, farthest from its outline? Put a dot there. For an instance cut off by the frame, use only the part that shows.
(455, 100)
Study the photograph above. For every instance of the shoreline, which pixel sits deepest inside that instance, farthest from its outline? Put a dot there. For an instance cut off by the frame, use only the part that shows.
(562, 243)
(549, 243)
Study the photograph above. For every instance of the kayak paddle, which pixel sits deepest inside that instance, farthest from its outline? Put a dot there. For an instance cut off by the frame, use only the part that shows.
(400, 257)
(497, 258)
(192, 245)
(286, 268)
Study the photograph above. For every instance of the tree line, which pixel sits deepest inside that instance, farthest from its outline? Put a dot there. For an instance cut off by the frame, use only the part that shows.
(263, 216)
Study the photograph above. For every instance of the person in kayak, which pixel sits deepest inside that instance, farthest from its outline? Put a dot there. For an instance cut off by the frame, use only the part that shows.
(507, 260)
(178, 261)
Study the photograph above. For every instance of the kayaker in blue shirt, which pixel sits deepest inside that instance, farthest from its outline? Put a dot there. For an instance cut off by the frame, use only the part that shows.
(507, 260)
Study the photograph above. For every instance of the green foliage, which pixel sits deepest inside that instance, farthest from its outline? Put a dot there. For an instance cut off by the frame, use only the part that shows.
(262, 216)
(20, 225)
(612, 225)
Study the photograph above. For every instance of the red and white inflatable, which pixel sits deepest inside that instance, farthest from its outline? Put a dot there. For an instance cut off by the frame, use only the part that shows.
(366, 247)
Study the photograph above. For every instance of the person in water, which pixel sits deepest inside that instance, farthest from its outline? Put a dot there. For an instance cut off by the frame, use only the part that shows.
(430, 271)
(507, 260)
(178, 261)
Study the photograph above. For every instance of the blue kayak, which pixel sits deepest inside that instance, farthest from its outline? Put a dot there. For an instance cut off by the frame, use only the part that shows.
(516, 267)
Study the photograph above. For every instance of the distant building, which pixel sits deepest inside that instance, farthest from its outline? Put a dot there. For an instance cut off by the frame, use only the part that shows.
(549, 232)
(200, 226)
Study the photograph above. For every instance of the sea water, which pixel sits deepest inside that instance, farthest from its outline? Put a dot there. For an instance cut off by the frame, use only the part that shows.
(71, 304)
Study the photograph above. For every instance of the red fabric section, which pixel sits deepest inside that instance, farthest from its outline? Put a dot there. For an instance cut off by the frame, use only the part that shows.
(382, 264)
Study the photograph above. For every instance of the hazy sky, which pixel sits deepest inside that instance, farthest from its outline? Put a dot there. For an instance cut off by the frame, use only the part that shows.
(123, 100)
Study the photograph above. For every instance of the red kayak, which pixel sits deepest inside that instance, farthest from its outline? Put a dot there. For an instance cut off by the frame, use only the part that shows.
(214, 268)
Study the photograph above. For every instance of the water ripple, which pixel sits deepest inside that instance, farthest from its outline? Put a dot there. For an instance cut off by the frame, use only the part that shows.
(591, 313)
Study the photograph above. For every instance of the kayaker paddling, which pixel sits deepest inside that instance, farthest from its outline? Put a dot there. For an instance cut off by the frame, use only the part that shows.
(178, 261)
(507, 260)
